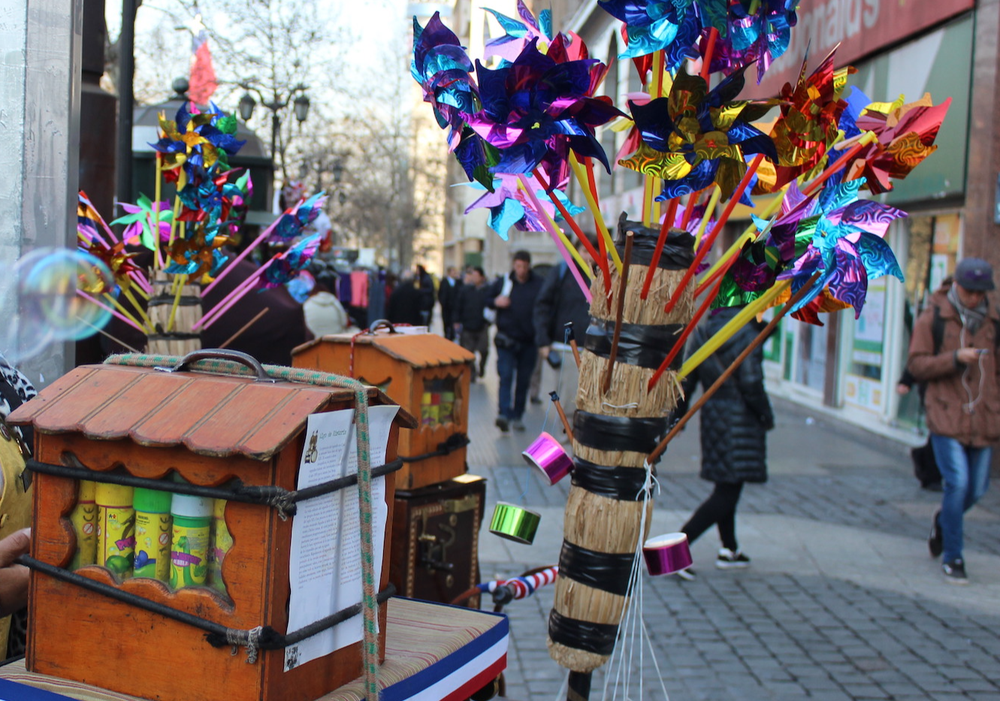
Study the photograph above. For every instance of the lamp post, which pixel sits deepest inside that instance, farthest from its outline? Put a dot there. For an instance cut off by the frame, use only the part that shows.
(297, 97)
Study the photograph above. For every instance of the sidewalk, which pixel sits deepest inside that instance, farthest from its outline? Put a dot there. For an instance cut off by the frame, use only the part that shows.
(842, 601)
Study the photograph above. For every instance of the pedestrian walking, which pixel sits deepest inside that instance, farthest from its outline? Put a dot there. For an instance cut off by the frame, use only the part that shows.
(471, 326)
(407, 302)
(513, 297)
(954, 352)
(734, 426)
(448, 292)
(560, 301)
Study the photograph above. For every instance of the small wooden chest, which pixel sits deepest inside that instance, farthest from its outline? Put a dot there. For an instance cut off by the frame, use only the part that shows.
(210, 430)
(426, 374)
(435, 546)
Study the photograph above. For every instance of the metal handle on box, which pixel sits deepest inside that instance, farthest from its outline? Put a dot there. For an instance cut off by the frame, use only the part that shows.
(244, 359)
(380, 323)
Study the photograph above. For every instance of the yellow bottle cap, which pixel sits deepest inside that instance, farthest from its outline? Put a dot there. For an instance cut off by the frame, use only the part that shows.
(113, 495)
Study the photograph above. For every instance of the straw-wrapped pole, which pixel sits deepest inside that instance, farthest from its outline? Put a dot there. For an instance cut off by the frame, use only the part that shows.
(612, 434)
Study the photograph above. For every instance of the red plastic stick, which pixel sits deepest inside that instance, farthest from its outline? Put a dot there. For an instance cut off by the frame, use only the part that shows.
(707, 242)
(679, 344)
(689, 208)
(713, 34)
(668, 220)
(601, 262)
(842, 162)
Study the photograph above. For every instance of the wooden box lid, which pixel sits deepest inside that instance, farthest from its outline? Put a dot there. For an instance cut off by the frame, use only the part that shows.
(419, 350)
(209, 414)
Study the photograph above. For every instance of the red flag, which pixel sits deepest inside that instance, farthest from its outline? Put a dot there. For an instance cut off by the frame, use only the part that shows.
(203, 83)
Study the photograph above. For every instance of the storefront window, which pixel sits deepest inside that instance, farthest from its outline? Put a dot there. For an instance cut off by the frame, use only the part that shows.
(811, 367)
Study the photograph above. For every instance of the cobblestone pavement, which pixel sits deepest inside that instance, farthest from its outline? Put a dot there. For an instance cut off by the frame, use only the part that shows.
(842, 601)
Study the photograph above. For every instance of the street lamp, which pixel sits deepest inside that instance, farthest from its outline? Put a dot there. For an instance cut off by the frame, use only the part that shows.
(297, 97)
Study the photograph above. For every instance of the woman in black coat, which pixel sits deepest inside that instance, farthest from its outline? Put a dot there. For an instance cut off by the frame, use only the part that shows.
(734, 423)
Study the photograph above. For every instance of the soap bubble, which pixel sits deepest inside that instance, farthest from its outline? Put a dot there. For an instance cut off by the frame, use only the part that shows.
(40, 293)
(52, 286)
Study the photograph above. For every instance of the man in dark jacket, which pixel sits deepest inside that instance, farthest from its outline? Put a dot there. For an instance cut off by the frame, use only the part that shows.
(448, 292)
(734, 424)
(407, 302)
(560, 301)
(958, 363)
(513, 297)
(470, 325)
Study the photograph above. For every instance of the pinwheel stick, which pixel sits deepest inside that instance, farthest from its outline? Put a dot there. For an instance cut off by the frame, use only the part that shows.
(557, 236)
(601, 261)
(668, 221)
(841, 163)
(706, 217)
(707, 244)
(232, 298)
(562, 414)
(689, 208)
(576, 352)
(707, 394)
(249, 249)
(622, 286)
(179, 282)
(118, 315)
(682, 339)
(584, 173)
(158, 193)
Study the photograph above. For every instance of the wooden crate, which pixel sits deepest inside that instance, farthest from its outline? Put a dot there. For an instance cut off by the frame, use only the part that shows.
(435, 539)
(405, 366)
(209, 429)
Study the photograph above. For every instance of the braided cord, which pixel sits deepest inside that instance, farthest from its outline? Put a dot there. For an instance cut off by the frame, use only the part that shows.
(369, 605)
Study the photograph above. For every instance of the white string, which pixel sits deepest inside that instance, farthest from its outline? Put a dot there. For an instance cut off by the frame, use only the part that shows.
(631, 617)
(630, 405)
(970, 406)
(563, 688)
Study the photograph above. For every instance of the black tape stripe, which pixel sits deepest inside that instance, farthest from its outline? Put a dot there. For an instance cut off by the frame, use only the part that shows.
(618, 432)
(639, 344)
(173, 336)
(678, 250)
(598, 638)
(605, 571)
(621, 483)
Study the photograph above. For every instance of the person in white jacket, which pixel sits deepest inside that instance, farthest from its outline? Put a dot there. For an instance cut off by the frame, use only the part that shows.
(324, 313)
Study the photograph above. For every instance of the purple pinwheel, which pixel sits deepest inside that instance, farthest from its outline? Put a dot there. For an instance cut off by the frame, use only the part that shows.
(672, 27)
(285, 266)
(758, 32)
(291, 223)
(443, 69)
(536, 110)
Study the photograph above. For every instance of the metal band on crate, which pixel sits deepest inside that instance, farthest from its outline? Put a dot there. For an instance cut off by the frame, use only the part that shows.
(598, 638)
(618, 433)
(456, 441)
(621, 483)
(282, 500)
(638, 344)
(605, 571)
(262, 637)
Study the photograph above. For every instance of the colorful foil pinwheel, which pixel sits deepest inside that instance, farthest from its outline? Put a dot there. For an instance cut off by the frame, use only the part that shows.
(295, 219)
(671, 27)
(906, 135)
(287, 265)
(194, 145)
(442, 68)
(518, 33)
(536, 110)
(695, 137)
(758, 32)
(510, 206)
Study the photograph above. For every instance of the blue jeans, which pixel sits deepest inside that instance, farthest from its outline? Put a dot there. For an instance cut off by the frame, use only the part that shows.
(965, 472)
(515, 367)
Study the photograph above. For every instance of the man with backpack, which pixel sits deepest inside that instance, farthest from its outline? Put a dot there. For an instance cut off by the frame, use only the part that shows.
(954, 352)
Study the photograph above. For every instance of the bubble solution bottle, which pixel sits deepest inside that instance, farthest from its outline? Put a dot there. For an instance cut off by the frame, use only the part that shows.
(115, 528)
(222, 541)
(152, 533)
(83, 517)
(192, 525)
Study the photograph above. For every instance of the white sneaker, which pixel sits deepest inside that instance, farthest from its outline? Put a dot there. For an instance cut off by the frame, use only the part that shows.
(729, 559)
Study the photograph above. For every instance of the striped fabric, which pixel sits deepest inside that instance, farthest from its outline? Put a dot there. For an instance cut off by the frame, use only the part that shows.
(433, 653)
